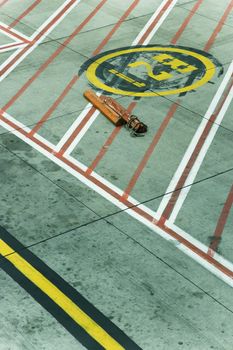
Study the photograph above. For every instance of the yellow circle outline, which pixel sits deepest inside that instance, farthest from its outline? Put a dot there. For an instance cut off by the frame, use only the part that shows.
(91, 72)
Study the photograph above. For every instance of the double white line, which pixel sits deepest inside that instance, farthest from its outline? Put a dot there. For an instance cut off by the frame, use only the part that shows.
(137, 40)
(191, 177)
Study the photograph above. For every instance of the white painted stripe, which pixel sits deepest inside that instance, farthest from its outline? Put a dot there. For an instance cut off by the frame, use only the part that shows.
(200, 245)
(113, 187)
(120, 205)
(50, 19)
(207, 265)
(86, 109)
(4, 48)
(131, 212)
(47, 32)
(95, 175)
(194, 141)
(25, 128)
(10, 59)
(73, 127)
(13, 32)
(159, 23)
(196, 166)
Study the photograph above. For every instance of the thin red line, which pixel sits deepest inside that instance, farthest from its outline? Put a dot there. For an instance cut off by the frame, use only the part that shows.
(172, 233)
(77, 131)
(148, 217)
(157, 18)
(54, 105)
(107, 144)
(169, 208)
(10, 45)
(16, 35)
(39, 35)
(221, 223)
(186, 21)
(25, 13)
(128, 204)
(73, 81)
(117, 25)
(150, 150)
(164, 124)
(54, 55)
(219, 26)
(95, 52)
(103, 149)
(117, 130)
(3, 2)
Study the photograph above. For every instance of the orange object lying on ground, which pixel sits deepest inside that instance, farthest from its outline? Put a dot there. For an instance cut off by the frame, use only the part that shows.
(117, 114)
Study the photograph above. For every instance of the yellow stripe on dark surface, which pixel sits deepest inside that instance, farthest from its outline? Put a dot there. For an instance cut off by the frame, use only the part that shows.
(69, 307)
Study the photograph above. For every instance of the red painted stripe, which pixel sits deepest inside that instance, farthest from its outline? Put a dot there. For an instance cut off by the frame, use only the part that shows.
(219, 26)
(104, 149)
(25, 13)
(3, 2)
(107, 144)
(39, 35)
(16, 35)
(54, 105)
(221, 223)
(197, 251)
(169, 208)
(95, 52)
(171, 112)
(10, 45)
(150, 150)
(127, 203)
(77, 131)
(116, 26)
(186, 22)
(74, 80)
(155, 21)
(55, 54)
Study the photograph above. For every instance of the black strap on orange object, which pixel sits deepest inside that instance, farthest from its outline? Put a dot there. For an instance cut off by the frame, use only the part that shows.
(137, 127)
(116, 113)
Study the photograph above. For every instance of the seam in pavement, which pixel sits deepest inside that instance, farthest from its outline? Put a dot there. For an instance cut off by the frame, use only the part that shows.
(104, 218)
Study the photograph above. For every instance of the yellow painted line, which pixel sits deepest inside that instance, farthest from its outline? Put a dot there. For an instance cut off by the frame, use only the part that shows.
(92, 77)
(125, 77)
(79, 316)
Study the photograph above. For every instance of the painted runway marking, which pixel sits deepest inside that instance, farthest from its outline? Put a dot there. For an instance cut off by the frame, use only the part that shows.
(172, 63)
(76, 77)
(195, 153)
(66, 304)
(25, 13)
(215, 242)
(56, 103)
(219, 26)
(150, 150)
(13, 33)
(198, 251)
(44, 30)
(155, 22)
(89, 115)
(219, 266)
(9, 47)
(2, 2)
(164, 203)
(164, 124)
(186, 22)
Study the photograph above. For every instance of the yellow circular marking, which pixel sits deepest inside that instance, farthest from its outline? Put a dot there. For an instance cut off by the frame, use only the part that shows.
(210, 71)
